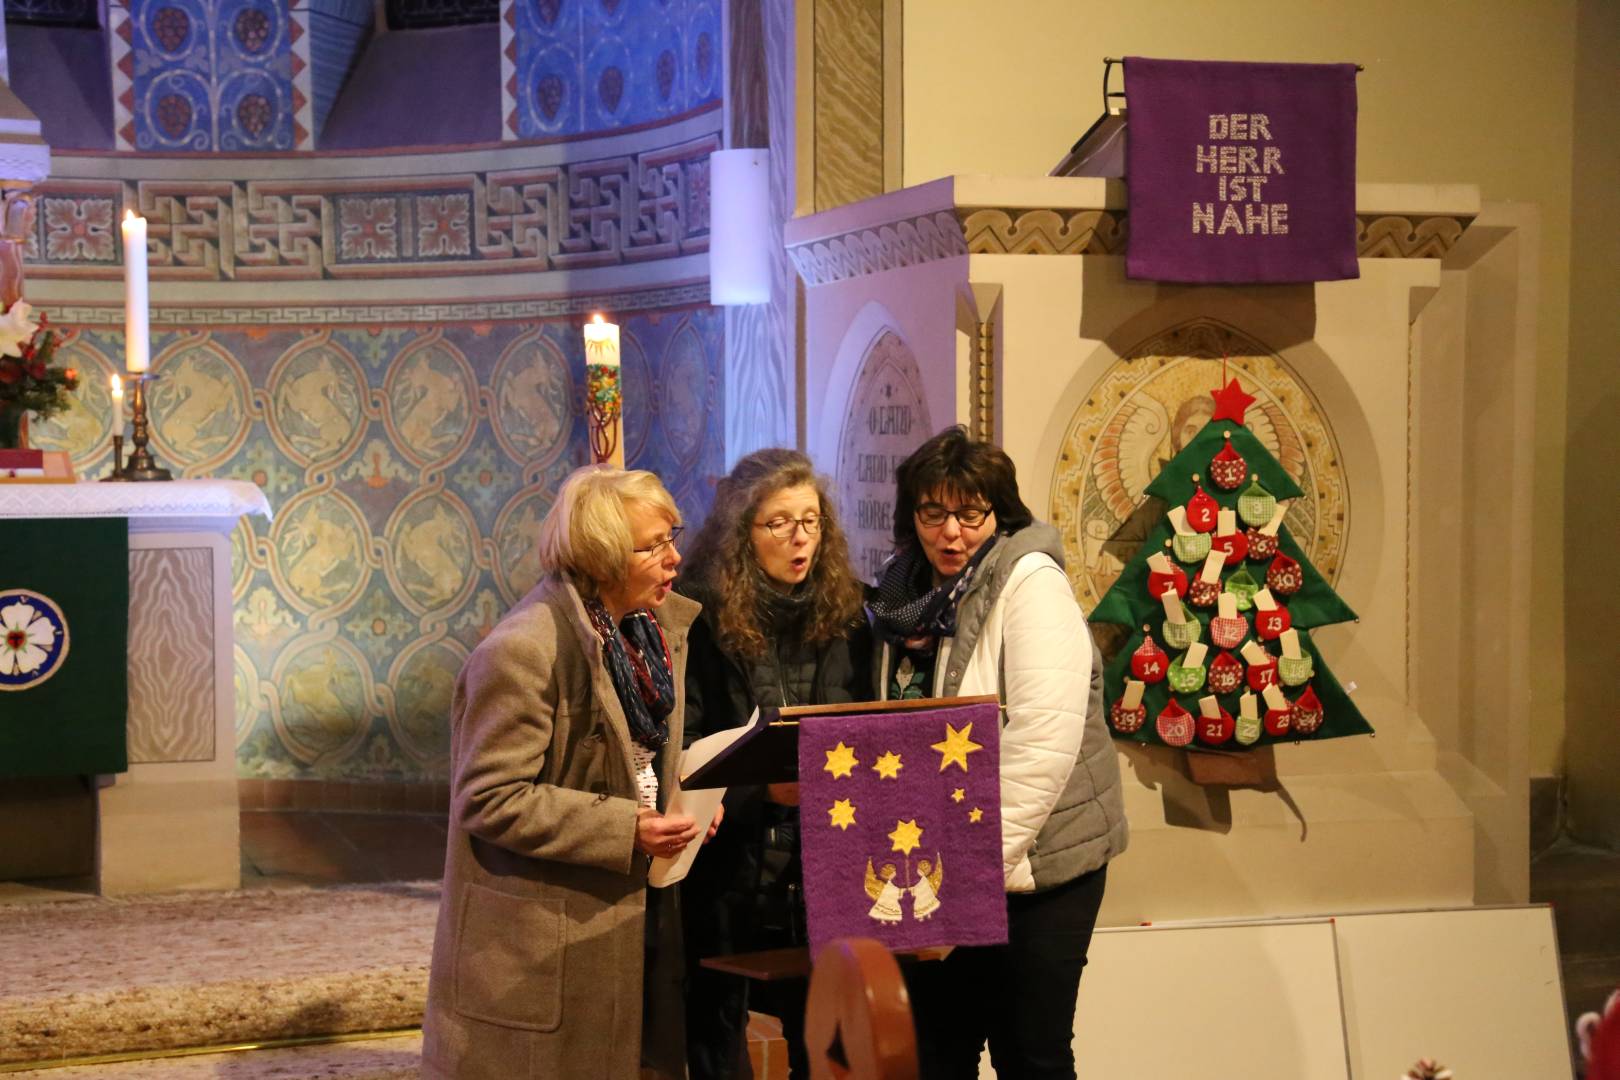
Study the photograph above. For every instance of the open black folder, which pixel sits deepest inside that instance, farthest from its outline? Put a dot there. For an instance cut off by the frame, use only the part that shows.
(769, 752)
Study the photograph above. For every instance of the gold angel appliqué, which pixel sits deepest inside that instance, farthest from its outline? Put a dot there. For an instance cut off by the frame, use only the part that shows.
(887, 894)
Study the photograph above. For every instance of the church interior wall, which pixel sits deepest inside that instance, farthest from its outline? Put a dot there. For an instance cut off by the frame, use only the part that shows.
(387, 342)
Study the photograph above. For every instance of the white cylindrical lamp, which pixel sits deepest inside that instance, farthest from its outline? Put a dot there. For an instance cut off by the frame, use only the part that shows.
(137, 343)
(741, 234)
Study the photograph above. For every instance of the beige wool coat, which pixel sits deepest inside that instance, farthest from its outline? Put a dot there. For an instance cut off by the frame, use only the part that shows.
(539, 954)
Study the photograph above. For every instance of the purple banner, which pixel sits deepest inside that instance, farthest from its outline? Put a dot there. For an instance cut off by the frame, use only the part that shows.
(1240, 172)
(900, 827)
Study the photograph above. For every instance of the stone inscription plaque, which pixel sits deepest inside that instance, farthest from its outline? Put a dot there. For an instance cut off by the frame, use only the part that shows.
(887, 420)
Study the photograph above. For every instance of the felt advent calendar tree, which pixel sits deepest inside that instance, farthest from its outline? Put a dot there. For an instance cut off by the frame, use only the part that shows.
(1221, 601)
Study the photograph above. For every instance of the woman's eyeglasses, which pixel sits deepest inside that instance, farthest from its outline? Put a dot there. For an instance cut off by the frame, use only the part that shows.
(657, 549)
(783, 528)
(969, 517)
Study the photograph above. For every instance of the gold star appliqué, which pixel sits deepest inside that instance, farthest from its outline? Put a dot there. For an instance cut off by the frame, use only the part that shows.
(956, 747)
(906, 836)
(841, 760)
(842, 814)
(888, 766)
(958, 795)
(975, 814)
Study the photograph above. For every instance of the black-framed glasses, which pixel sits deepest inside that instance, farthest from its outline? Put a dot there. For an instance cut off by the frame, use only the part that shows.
(783, 528)
(969, 517)
(657, 549)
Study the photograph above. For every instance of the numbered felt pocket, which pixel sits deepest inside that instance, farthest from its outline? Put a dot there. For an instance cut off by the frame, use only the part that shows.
(1294, 670)
(1262, 545)
(1174, 724)
(1179, 635)
(1306, 713)
(1203, 593)
(1284, 575)
(1242, 586)
(1228, 469)
(1215, 730)
(1256, 505)
(1233, 545)
(1186, 678)
(1176, 579)
(1228, 633)
(1225, 673)
(1248, 730)
(1149, 662)
(1269, 624)
(1191, 547)
(1262, 675)
(1127, 721)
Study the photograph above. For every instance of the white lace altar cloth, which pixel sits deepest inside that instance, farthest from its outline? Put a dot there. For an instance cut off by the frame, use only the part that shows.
(186, 499)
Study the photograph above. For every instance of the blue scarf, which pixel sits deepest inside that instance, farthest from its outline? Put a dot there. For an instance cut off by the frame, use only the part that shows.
(638, 662)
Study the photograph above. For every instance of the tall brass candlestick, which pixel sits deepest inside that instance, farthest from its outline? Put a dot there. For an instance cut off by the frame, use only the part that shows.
(142, 466)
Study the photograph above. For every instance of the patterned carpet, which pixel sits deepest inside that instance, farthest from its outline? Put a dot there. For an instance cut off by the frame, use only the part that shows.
(206, 969)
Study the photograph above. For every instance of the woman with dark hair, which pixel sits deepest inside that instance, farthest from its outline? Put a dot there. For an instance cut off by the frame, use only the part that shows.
(975, 601)
(781, 625)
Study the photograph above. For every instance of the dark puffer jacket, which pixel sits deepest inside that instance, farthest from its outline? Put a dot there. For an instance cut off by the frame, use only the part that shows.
(744, 891)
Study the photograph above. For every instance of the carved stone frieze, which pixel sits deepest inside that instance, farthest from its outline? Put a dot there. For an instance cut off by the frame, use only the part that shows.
(1060, 231)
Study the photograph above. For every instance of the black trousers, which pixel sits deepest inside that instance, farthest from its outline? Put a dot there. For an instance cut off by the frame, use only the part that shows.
(1019, 996)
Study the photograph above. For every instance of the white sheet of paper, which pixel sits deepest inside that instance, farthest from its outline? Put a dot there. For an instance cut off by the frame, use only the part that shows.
(700, 805)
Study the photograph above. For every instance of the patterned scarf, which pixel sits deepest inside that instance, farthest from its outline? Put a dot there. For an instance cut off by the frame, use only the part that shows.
(906, 610)
(638, 662)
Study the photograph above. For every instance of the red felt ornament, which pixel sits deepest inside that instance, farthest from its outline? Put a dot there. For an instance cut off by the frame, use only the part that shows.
(1176, 579)
(1228, 633)
(1227, 469)
(1214, 730)
(1263, 675)
(1225, 673)
(1234, 545)
(1262, 545)
(1127, 721)
(1284, 575)
(1279, 721)
(1149, 662)
(1175, 724)
(1306, 712)
(1202, 509)
(1203, 593)
(1269, 625)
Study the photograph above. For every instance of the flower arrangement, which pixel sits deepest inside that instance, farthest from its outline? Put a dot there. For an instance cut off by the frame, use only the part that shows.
(29, 382)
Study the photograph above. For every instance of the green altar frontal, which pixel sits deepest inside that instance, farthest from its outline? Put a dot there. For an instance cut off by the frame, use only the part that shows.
(64, 616)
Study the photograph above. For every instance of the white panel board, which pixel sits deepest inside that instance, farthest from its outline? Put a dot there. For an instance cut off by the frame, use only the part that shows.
(1219, 1002)
(1478, 990)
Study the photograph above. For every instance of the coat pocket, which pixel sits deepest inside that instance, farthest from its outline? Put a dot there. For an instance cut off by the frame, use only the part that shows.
(509, 959)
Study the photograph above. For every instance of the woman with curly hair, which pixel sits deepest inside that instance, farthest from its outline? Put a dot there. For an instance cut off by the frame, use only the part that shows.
(782, 624)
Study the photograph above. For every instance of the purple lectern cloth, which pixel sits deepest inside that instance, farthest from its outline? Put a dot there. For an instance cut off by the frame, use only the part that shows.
(929, 829)
(1240, 173)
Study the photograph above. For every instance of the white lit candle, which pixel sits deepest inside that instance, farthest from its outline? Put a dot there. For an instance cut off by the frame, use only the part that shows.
(118, 395)
(601, 342)
(137, 357)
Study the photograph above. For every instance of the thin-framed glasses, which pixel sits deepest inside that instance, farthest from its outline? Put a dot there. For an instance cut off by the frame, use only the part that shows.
(783, 528)
(657, 549)
(969, 517)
